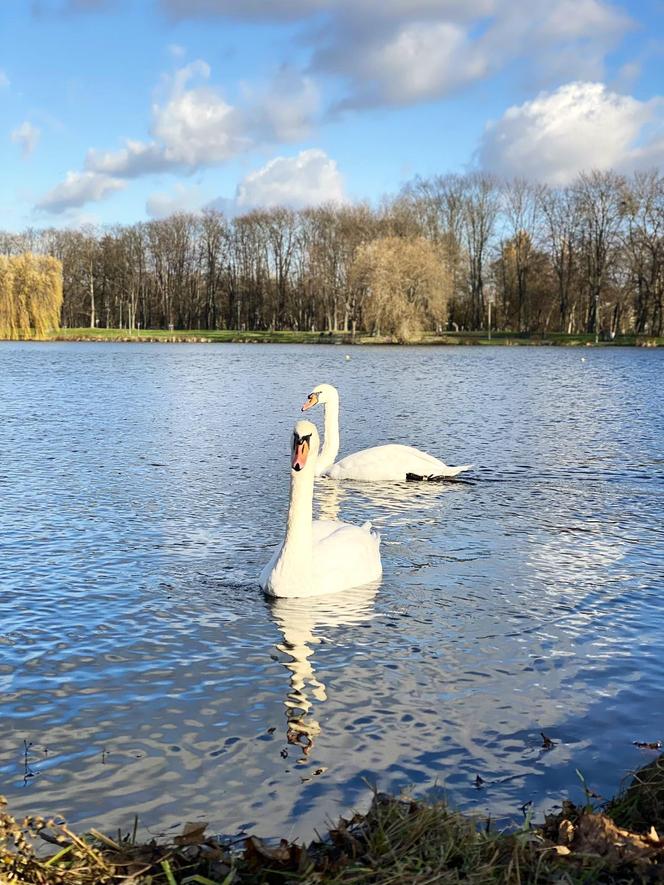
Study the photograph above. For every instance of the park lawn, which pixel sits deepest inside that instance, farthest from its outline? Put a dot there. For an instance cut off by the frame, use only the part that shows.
(223, 336)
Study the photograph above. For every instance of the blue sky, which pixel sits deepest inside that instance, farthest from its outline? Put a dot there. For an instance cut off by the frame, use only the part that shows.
(118, 111)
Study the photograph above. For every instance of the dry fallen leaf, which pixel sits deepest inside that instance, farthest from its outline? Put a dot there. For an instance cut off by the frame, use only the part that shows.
(193, 833)
(565, 831)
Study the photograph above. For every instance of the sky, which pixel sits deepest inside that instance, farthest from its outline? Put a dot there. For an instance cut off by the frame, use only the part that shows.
(117, 111)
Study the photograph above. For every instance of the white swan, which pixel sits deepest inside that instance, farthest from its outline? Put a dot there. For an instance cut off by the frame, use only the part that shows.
(388, 463)
(318, 556)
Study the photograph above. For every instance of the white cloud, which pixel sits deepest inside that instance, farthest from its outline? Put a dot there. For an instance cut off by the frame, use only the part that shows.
(26, 136)
(182, 199)
(289, 10)
(399, 52)
(574, 19)
(419, 61)
(176, 50)
(580, 126)
(285, 110)
(198, 128)
(273, 10)
(136, 158)
(77, 189)
(195, 127)
(4, 79)
(308, 179)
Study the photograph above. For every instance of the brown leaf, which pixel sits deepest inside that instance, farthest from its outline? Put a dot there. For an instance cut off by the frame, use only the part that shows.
(597, 834)
(285, 854)
(565, 832)
(193, 833)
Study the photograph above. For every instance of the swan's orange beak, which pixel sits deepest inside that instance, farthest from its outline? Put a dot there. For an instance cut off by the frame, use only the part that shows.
(312, 399)
(300, 453)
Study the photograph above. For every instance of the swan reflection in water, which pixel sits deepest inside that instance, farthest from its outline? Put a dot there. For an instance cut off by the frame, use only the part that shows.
(385, 499)
(299, 619)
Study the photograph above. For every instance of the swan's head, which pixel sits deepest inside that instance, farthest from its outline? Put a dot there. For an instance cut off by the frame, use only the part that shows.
(322, 393)
(305, 446)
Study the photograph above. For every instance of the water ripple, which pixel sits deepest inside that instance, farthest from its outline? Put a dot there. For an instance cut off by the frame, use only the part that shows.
(141, 491)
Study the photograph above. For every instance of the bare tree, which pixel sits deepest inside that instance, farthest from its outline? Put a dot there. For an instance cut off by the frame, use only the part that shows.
(521, 209)
(559, 210)
(479, 214)
(642, 210)
(597, 199)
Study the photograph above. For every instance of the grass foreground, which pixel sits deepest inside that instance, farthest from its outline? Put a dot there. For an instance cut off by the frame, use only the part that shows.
(398, 841)
(225, 336)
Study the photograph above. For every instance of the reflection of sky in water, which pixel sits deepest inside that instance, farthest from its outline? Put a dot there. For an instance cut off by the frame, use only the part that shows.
(142, 489)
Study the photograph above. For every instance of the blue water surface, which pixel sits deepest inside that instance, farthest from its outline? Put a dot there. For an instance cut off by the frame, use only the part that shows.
(142, 488)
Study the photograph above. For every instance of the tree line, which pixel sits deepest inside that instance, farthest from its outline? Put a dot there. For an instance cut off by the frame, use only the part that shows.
(588, 257)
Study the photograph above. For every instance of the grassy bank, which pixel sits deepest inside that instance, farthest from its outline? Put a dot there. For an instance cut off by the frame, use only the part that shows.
(397, 841)
(222, 336)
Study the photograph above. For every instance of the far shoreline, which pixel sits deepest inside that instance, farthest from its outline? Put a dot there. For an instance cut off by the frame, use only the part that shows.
(445, 339)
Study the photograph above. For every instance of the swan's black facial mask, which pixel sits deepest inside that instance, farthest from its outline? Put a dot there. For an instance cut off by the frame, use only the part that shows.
(301, 446)
(312, 399)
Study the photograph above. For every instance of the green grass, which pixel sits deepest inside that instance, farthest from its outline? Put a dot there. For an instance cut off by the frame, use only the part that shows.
(641, 804)
(397, 842)
(221, 336)
(215, 336)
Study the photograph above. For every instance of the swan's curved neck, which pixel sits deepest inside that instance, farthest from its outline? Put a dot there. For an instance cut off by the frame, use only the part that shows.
(296, 552)
(330, 448)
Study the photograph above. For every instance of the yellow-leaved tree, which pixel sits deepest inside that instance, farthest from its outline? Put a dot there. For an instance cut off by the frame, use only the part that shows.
(30, 295)
(403, 286)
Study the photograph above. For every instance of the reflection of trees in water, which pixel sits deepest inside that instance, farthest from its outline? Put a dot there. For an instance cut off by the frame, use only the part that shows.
(298, 620)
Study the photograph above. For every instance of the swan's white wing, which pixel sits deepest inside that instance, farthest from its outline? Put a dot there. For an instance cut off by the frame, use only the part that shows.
(322, 528)
(267, 571)
(390, 462)
(345, 556)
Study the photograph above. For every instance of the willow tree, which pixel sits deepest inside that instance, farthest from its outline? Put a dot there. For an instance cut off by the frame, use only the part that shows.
(30, 295)
(404, 284)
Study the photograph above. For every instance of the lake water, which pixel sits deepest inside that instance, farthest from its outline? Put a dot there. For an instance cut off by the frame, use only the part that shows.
(142, 488)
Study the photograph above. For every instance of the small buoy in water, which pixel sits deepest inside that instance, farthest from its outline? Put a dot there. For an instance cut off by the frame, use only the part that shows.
(347, 356)
(583, 359)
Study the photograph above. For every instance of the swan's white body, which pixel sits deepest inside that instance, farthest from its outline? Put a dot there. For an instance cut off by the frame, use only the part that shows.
(318, 556)
(388, 463)
(391, 462)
